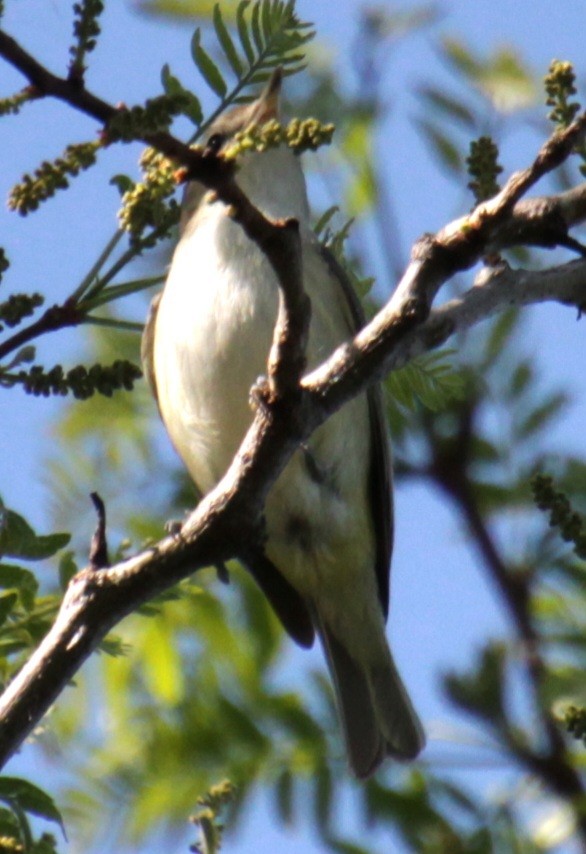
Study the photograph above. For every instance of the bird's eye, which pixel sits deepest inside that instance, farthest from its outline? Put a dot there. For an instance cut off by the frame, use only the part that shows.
(215, 142)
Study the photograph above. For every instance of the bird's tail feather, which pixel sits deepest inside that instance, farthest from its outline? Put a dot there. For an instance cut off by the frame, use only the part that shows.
(376, 713)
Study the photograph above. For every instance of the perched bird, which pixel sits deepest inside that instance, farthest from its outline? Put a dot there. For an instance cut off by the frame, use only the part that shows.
(325, 566)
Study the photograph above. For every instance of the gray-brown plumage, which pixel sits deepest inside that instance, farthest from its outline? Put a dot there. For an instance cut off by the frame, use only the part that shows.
(329, 514)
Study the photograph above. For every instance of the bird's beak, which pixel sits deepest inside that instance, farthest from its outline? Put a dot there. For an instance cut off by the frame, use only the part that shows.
(267, 105)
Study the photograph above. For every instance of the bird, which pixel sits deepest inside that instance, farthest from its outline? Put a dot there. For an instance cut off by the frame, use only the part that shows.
(329, 516)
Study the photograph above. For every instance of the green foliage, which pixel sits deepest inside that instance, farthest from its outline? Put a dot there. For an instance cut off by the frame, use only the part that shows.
(429, 380)
(24, 615)
(14, 103)
(139, 122)
(23, 799)
(50, 177)
(17, 538)
(562, 515)
(560, 86)
(482, 692)
(448, 118)
(483, 168)
(207, 818)
(334, 239)
(86, 29)
(575, 721)
(186, 9)
(268, 34)
(501, 77)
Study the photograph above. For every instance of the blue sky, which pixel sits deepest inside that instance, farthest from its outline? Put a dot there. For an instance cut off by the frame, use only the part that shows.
(442, 607)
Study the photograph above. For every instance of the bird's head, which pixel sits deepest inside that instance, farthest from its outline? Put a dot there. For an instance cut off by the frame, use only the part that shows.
(272, 179)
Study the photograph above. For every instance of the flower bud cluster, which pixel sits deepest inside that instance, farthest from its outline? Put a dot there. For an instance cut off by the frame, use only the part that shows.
(560, 85)
(81, 382)
(562, 515)
(130, 123)
(146, 204)
(299, 135)
(18, 306)
(13, 103)
(52, 176)
(483, 168)
(86, 30)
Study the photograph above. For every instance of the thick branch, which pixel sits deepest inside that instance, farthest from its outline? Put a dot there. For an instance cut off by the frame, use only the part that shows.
(375, 351)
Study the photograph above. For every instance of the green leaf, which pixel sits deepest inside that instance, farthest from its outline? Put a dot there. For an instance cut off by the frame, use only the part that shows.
(8, 823)
(207, 67)
(341, 846)
(500, 333)
(284, 790)
(31, 799)
(520, 380)
(481, 692)
(542, 414)
(242, 25)
(442, 146)
(241, 726)
(17, 538)
(255, 24)
(452, 108)
(7, 602)
(22, 580)
(324, 797)
(67, 568)
(324, 220)
(173, 86)
(501, 78)
(267, 29)
(430, 379)
(226, 42)
(123, 183)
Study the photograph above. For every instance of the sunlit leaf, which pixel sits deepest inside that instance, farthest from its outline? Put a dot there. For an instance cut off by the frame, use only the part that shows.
(444, 148)
(451, 107)
(17, 538)
(226, 41)
(29, 798)
(501, 77)
(207, 67)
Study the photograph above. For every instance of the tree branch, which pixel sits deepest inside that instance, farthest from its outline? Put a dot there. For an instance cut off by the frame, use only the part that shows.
(547, 757)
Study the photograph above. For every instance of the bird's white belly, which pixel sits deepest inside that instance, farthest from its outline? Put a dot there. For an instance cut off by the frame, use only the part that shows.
(213, 334)
(212, 338)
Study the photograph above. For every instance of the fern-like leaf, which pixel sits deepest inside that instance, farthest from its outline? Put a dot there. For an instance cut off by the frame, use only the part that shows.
(429, 379)
(207, 67)
(173, 87)
(243, 31)
(267, 33)
(226, 42)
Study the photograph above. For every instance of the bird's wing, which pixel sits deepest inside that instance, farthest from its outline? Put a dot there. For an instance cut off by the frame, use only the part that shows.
(380, 475)
(147, 345)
